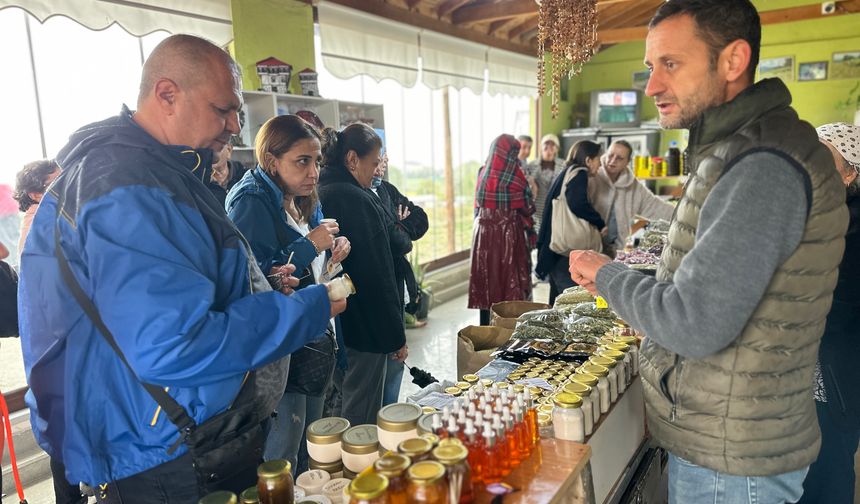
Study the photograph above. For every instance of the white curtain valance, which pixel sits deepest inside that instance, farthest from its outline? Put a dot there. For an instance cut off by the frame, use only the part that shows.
(449, 61)
(511, 73)
(354, 43)
(206, 18)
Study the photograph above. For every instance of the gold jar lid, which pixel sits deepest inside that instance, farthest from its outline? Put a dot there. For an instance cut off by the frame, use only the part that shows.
(502, 385)
(519, 387)
(368, 486)
(535, 390)
(450, 441)
(425, 423)
(533, 359)
(219, 497)
(471, 378)
(577, 388)
(398, 417)
(463, 385)
(426, 472)
(450, 454)
(630, 340)
(546, 375)
(428, 410)
(602, 361)
(429, 436)
(561, 377)
(545, 408)
(486, 382)
(250, 496)
(454, 391)
(415, 447)
(544, 419)
(274, 469)
(618, 345)
(594, 369)
(585, 378)
(327, 430)
(532, 374)
(392, 464)
(567, 401)
(360, 440)
(615, 355)
(330, 467)
(554, 383)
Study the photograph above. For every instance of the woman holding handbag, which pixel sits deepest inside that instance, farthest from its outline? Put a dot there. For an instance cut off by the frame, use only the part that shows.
(503, 235)
(570, 221)
(276, 207)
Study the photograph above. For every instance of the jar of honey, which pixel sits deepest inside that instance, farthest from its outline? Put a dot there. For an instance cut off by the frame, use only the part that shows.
(427, 483)
(393, 466)
(369, 489)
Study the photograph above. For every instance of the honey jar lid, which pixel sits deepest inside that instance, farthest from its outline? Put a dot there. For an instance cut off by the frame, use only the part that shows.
(425, 423)
(392, 464)
(428, 410)
(567, 400)
(429, 436)
(327, 430)
(545, 408)
(593, 369)
(398, 417)
(454, 391)
(618, 345)
(486, 382)
(450, 441)
(426, 472)
(360, 440)
(584, 378)
(450, 454)
(630, 340)
(368, 486)
(273, 469)
(471, 378)
(250, 495)
(544, 419)
(577, 388)
(615, 355)
(519, 387)
(602, 361)
(415, 447)
(220, 497)
(462, 385)
(502, 385)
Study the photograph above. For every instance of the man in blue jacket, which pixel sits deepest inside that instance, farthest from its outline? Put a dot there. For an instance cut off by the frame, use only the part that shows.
(156, 259)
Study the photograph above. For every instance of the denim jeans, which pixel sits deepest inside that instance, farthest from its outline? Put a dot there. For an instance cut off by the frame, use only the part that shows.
(393, 379)
(689, 483)
(286, 439)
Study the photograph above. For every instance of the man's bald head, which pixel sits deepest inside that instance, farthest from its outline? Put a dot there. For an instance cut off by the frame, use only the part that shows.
(186, 60)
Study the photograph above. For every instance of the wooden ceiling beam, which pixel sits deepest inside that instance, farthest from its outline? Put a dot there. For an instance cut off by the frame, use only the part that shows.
(387, 11)
(411, 4)
(529, 24)
(495, 25)
(615, 20)
(449, 5)
(480, 13)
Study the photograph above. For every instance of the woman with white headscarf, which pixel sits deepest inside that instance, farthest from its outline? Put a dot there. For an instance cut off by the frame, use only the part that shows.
(837, 376)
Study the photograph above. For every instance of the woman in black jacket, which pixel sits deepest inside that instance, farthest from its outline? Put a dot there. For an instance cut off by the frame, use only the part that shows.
(373, 321)
(583, 154)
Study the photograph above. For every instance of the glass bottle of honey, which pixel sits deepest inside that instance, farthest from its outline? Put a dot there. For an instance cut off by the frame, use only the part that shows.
(369, 489)
(427, 484)
(275, 482)
(220, 497)
(457, 472)
(393, 466)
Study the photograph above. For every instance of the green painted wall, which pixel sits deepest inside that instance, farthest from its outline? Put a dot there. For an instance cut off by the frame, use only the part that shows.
(280, 28)
(807, 41)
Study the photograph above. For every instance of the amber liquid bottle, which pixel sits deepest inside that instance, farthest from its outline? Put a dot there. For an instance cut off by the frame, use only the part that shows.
(521, 428)
(477, 456)
(491, 472)
(275, 482)
(531, 417)
(501, 454)
(511, 437)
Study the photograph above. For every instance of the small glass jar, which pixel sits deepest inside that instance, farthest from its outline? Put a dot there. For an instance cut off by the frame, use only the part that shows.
(334, 469)
(457, 472)
(275, 481)
(612, 375)
(368, 489)
(453, 391)
(360, 447)
(590, 381)
(633, 342)
(250, 496)
(427, 483)
(463, 385)
(584, 392)
(545, 425)
(471, 379)
(628, 359)
(486, 382)
(219, 497)
(433, 438)
(323, 439)
(602, 383)
(568, 421)
(620, 366)
(417, 449)
(397, 422)
(393, 466)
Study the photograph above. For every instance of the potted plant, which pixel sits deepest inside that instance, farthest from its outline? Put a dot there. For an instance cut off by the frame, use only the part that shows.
(425, 290)
(852, 103)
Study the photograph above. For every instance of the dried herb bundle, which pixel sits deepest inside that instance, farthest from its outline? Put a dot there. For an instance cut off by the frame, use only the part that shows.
(567, 29)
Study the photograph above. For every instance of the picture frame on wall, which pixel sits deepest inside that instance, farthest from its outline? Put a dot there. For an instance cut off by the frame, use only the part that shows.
(781, 67)
(640, 80)
(812, 71)
(845, 65)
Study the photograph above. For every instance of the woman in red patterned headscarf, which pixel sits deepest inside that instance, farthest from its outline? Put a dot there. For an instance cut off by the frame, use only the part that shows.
(503, 235)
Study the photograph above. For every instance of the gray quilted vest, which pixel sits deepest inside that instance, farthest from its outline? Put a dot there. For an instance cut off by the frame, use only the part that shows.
(748, 410)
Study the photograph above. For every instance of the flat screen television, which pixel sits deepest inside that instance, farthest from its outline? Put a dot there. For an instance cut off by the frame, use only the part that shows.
(616, 108)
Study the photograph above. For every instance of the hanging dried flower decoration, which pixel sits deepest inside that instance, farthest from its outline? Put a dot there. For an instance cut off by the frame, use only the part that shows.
(567, 29)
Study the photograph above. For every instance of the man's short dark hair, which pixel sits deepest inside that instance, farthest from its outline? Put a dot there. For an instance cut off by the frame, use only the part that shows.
(31, 179)
(718, 23)
(525, 138)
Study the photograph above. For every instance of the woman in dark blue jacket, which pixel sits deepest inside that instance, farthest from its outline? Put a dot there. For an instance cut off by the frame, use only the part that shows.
(549, 264)
(276, 207)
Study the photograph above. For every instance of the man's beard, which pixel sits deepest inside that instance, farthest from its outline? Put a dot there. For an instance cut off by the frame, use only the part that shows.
(691, 110)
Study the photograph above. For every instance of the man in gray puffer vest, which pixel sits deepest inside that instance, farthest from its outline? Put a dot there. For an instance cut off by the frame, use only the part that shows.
(733, 320)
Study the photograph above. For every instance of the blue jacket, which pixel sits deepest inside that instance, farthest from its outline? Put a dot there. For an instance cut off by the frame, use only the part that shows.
(171, 277)
(250, 204)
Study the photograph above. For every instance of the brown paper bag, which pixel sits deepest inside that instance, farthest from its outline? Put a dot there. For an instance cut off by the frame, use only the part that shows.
(505, 313)
(475, 344)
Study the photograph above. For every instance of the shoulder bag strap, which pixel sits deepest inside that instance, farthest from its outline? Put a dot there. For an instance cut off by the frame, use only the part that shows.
(176, 413)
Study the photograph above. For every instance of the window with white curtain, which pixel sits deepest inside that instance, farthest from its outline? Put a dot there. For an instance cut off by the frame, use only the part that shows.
(414, 131)
(81, 76)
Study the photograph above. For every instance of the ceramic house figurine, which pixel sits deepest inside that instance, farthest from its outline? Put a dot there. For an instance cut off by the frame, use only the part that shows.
(308, 80)
(274, 75)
